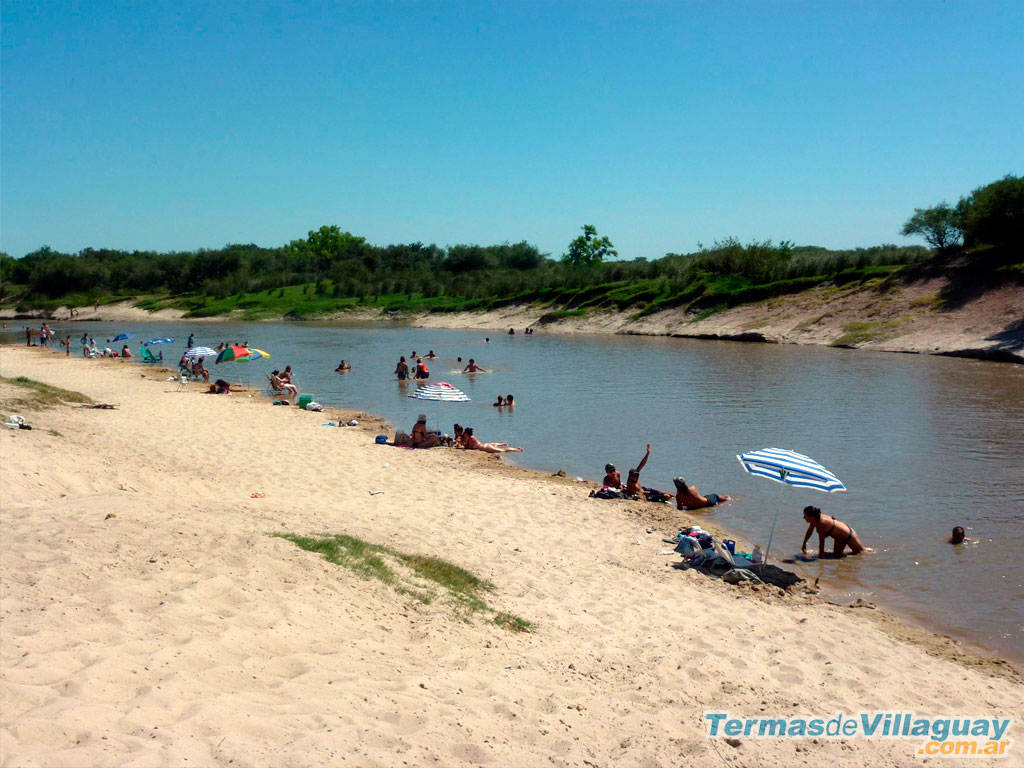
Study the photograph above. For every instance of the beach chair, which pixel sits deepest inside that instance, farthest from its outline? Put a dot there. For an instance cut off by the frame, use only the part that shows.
(270, 385)
(182, 382)
(147, 356)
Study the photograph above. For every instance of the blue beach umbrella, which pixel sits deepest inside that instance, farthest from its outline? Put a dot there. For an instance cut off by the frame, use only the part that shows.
(123, 336)
(162, 340)
(792, 469)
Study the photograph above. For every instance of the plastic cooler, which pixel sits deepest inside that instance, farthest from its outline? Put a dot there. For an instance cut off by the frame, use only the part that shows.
(305, 400)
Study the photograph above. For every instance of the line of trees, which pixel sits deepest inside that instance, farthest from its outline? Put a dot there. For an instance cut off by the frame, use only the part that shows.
(992, 215)
(346, 265)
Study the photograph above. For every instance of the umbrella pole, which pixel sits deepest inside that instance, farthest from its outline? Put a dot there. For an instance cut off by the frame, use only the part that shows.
(771, 533)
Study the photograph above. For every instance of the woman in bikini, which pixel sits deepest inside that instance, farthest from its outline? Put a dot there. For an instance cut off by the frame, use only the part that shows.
(843, 535)
(470, 441)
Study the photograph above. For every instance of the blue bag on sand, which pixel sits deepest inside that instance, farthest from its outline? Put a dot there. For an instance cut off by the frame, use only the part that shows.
(381, 439)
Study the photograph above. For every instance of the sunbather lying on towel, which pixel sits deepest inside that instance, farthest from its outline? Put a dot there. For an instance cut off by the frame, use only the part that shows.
(473, 443)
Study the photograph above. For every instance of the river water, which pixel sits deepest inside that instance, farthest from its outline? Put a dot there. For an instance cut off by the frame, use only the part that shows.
(922, 443)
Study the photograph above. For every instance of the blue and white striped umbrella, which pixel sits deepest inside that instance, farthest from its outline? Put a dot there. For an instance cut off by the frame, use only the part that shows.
(200, 352)
(442, 391)
(790, 468)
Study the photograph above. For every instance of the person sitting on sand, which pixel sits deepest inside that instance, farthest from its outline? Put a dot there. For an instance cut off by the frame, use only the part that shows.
(959, 536)
(826, 525)
(125, 352)
(458, 437)
(198, 369)
(500, 403)
(421, 438)
(402, 369)
(688, 497)
(635, 490)
(472, 367)
(612, 478)
(342, 367)
(471, 442)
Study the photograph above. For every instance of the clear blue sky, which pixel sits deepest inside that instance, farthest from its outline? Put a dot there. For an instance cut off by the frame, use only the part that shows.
(178, 125)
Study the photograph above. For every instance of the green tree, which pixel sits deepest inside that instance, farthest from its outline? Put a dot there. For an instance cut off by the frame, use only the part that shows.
(938, 225)
(588, 248)
(994, 214)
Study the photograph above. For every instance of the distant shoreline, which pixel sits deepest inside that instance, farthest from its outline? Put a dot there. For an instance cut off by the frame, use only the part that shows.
(911, 319)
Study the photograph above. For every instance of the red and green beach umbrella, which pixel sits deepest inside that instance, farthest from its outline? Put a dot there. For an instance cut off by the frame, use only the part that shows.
(234, 354)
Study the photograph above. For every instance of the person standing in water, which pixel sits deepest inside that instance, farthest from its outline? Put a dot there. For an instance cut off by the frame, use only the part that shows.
(472, 367)
(402, 369)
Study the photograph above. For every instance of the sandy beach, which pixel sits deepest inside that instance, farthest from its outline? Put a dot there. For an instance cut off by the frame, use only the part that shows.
(150, 619)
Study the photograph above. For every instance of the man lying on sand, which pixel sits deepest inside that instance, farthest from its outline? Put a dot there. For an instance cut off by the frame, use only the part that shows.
(688, 497)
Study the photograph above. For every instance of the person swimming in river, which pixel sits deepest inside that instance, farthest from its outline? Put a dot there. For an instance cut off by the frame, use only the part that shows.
(959, 536)
(500, 403)
(842, 534)
(342, 367)
(431, 355)
(472, 367)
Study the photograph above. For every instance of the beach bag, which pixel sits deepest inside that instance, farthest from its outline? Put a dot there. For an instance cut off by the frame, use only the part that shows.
(311, 406)
(402, 438)
(608, 493)
(381, 440)
(14, 421)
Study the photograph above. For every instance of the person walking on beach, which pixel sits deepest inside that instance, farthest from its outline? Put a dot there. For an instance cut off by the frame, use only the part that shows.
(842, 534)
(402, 369)
(688, 497)
(472, 367)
